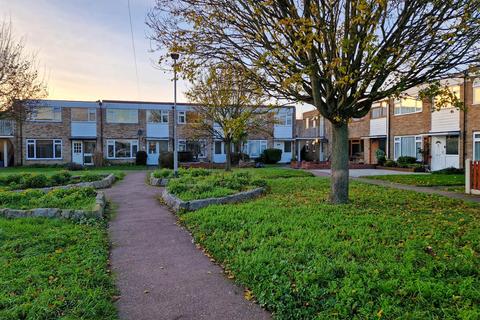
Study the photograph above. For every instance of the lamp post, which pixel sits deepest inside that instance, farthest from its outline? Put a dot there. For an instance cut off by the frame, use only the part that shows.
(175, 57)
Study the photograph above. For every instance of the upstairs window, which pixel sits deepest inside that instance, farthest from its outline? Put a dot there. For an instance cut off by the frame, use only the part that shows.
(84, 114)
(53, 114)
(122, 116)
(157, 116)
(456, 92)
(284, 118)
(407, 105)
(476, 91)
(379, 110)
(182, 117)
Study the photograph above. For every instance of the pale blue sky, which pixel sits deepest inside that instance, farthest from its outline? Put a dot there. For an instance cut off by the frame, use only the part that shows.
(84, 48)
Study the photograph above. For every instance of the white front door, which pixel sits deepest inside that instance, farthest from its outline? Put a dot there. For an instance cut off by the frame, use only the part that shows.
(286, 152)
(77, 152)
(444, 155)
(153, 152)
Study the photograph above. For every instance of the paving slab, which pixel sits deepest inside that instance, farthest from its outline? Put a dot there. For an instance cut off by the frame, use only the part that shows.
(158, 270)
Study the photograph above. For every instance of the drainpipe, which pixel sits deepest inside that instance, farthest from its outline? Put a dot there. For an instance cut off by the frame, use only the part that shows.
(464, 133)
(100, 104)
(387, 143)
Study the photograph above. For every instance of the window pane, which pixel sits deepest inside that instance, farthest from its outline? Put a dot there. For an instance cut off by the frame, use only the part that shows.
(134, 149)
(397, 149)
(476, 156)
(154, 116)
(58, 150)
(452, 145)
(408, 147)
(122, 149)
(92, 115)
(44, 149)
(111, 153)
(287, 147)
(122, 116)
(80, 114)
(476, 95)
(218, 147)
(31, 150)
(163, 146)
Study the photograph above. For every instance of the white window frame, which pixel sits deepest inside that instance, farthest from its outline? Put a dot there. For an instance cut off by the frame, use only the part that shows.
(91, 111)
(418, 145)
(34, 143)
(56, 112)
(284, 118)
(397, 108)
(112, 119)
(111, 142)
(475, 98)
(181, 114)
(183, 144)
(163, 116)
(262, 143)
(476, 138)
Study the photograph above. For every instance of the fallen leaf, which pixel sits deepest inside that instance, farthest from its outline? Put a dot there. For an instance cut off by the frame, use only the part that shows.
(248, 295)
(59, 250)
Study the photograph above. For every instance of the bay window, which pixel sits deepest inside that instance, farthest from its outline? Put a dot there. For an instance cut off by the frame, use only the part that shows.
(53, 114)
(122, 116)
(407, 105)
(409, 146)
(122, 149)
(44, 149)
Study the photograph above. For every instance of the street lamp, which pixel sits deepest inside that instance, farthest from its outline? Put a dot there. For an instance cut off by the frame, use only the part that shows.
(175, 57)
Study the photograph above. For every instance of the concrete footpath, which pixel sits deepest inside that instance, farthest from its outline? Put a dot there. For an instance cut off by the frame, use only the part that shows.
(159, 271)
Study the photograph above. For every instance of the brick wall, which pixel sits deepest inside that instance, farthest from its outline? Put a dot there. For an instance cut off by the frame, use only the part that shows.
(472, 121)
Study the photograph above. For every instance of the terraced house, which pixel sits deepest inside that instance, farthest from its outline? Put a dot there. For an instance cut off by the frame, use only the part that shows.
(60, 131)
(405, 126)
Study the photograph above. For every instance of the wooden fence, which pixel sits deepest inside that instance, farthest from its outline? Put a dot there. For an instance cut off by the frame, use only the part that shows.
(472, 177)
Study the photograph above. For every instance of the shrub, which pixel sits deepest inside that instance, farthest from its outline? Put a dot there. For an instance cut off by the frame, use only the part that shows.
(34, 180)
(237, 156)
(141, 158)
(195, 172)
(165, 160)
(390, 163)
(272, 155)
(404, 160)
(72, 166)
(185, 156)
(61, 178)
(380, 154)
(89, 177)
(163, 173)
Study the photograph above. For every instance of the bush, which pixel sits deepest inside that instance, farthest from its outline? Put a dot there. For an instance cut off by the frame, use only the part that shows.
(72, 166)
(390, 163)
(450, 170)
(61, 178)
(163, 173)
(33, 180)
(404, 160)
(380, 154)
(165, 160)
(141, 158)
(90, 177)
(237, 156)
(272, 155)
(185, 156)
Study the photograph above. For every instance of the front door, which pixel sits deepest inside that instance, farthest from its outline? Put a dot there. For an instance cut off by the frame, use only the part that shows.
(77, 152)
(438, 153)
(153, 152)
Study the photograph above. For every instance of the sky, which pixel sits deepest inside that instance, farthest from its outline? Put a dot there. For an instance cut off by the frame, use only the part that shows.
(84, 48)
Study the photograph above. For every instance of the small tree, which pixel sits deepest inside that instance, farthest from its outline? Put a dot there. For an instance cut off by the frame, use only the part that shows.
(339, 56)
(228, 107)
(20, 82)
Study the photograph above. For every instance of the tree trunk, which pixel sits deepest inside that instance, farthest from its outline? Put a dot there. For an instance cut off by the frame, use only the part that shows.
(339, 183)
(228, 161)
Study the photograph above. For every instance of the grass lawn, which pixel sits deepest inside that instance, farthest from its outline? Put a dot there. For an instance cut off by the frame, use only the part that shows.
(388, 254)
(423, 180)
(54, 269)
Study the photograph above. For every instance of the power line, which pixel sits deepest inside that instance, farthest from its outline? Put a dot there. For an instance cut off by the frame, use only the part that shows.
(133, 48)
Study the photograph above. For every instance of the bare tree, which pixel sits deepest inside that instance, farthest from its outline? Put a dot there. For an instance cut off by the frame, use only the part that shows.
(20, 81)
(339, 56)
(229, 106)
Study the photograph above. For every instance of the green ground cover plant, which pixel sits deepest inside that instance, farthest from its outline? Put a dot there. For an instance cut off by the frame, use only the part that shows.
(55, 269)
(423, 180)
(388, 254)
(28, 180)
(75, 198)
(193, 184)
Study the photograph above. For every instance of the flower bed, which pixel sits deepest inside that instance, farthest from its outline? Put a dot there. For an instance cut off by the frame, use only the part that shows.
(41, 180)
(72, 203)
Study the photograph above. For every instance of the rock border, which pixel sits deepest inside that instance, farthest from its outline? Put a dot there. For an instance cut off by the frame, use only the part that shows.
(159, 182)
(177, 204)
(106, 182)
(97, 212)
